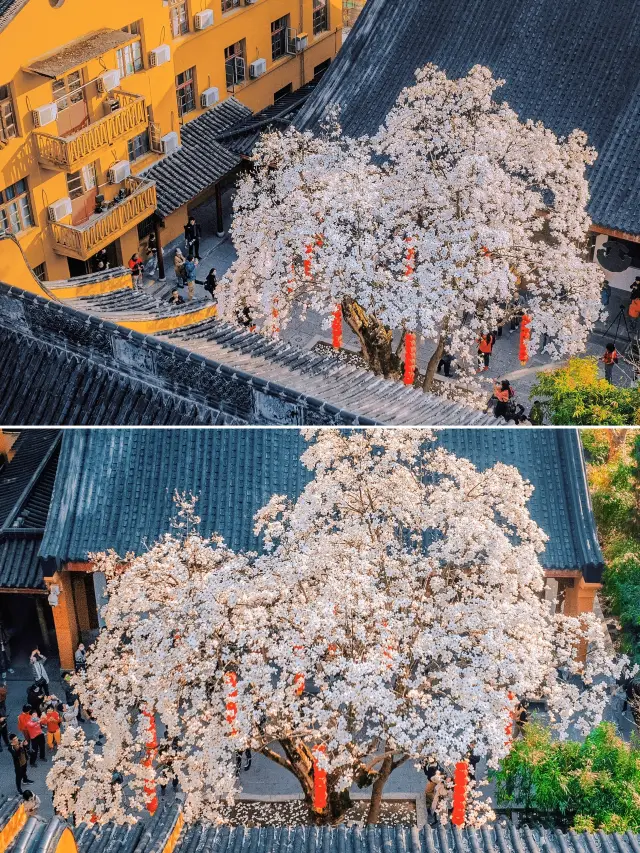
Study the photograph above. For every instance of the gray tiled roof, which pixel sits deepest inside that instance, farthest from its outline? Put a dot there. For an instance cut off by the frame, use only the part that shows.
(324, 377)
(201, 161)
(115, 488)
(75, 368)
(26, 485)
(498, 837)
(132, 304)
(8, 10)
(574, 64)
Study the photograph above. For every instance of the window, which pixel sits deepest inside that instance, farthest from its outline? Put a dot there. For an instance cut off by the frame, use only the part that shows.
(318, 70)
(146, 227)
(234, 64)
(139, 146)
(8, 126)
(40, 272)
(228, 5)
(320, 16)
(279, 37)
(129, 57)
(15, 210)
(186, 91)
(68, 90)
(282, 93)
(179, 20)
(79, 183)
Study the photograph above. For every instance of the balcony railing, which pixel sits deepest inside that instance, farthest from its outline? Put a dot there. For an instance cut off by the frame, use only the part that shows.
(65, 152)
(83, 241)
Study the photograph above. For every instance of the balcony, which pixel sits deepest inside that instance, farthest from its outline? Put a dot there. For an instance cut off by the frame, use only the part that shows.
(83, 241)
(69, 152)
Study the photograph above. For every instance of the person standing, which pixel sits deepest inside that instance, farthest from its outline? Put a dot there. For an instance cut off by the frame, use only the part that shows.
(190, 275)
(152, 255)
(36, 739)
(70, 715)
(5, 659)
(4, 735)
(192, 238)
(52, 722)
(178, 267)
(211, 283)
(137, 269)
(40, 676)
(80, 658)
(485, 348)
(503, 392)
(19, 754)
(23, 719)
(609, 358)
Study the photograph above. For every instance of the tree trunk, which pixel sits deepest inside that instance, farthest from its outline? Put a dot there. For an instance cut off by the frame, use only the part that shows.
(299, 761)
(373, 815)
(433, 364)
(376, 340)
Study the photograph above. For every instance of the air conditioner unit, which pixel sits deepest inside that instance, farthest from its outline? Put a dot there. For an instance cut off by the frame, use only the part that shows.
(119, 171)
(159, 55)
(257, 68)
(301, 42)
(170, 142)
(209, 97)
(108, 81)
(45, 114)
(203, 19)
(59, 209)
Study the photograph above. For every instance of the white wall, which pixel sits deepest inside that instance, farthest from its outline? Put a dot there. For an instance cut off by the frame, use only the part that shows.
(621, 280)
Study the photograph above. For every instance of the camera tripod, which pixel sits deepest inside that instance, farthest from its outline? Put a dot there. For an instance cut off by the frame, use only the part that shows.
(619, 319)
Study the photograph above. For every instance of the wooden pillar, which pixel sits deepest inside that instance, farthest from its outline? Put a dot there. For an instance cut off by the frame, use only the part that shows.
(578, 599)
(219, 217)
(64, 619)
(42, 622)
(156, 228)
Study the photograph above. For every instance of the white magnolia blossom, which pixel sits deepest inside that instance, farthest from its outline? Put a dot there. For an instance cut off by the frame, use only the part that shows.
(493, 207)
(403, 587)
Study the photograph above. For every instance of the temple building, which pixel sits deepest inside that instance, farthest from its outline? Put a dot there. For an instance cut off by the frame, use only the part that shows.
(86, 491)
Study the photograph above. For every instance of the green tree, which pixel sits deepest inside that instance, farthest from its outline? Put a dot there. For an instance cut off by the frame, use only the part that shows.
(575, 395)
(586, 786)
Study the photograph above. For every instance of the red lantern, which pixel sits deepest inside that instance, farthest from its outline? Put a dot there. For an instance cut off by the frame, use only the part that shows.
(231, 680)
(151, 745)
(508, 729)
(409, 358)
(307, 261)
(460, 783)
(336, 328)
(525, 334)
(319, 780)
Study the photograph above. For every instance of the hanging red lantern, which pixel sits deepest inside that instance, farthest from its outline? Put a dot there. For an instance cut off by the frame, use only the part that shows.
(409, 358)
(525, 334)
(336, 328)
(308, 251)
(319, 780)
(460, 783)
(231, 680)
(151, 745)
(508, 729)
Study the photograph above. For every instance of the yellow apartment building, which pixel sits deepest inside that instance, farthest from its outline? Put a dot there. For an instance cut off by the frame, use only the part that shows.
(93, 93)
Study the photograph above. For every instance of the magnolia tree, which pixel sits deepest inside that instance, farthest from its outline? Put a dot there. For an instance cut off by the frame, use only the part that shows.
(445, 224)
(395, 614)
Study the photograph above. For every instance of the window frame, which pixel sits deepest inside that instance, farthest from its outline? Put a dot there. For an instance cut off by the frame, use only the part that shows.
(323, 7)
(87, 178)
(142, 150)
(179, 14)
(15, 204)
(132, 63)
(188, 83)
(40, 271)
(235, 63)
(8, 128)
(71, 93)
(279, 29)
(229, 5)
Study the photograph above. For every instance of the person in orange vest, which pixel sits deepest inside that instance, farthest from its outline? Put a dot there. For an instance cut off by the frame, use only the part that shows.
(609, 358)
(503, 392)
(52, 720)
(485, 348)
